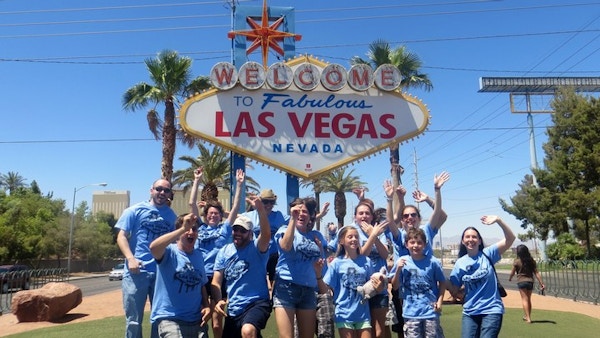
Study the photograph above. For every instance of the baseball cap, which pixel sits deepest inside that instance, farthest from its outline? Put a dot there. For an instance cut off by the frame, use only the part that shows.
(244, 222)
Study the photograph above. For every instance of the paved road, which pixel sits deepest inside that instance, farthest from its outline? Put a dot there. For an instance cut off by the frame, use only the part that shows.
(94, 285)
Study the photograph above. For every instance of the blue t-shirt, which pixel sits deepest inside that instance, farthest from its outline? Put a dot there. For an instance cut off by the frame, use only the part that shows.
(343, 276)
(211, 240)
(296, 265)
(419, 286)
(244, 273)
(430, 234)
(143, 223)
(481, 286)
(178, 288)
(276, 220)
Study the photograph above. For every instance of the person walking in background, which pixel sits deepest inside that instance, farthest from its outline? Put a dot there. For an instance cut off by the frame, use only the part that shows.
(347, 271)
(482, 308)
(138, 226)
(421, 280)
(525, 268)
(242, 266)
(180, 306)
(214, 234)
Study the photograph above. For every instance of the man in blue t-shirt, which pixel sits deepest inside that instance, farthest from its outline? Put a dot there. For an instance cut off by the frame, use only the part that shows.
(138, 226)
(275, 220)
(242, 266)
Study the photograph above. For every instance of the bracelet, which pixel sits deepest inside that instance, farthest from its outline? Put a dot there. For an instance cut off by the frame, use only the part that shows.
(389, 199)
(319, 278)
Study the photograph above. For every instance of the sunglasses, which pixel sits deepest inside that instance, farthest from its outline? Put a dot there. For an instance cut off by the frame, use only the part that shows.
(161, 189)
(268, 202)
(412, 214)
(238, 228)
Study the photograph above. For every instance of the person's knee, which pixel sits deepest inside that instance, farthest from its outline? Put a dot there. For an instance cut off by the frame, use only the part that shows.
(249, 330)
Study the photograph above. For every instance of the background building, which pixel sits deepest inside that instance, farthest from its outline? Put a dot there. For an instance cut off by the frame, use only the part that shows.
(110, 201)
(181, 199)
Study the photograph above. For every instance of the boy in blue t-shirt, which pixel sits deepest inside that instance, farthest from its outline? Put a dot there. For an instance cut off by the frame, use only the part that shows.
(421, 280)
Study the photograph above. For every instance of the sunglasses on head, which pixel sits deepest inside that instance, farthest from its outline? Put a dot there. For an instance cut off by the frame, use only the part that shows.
(412, 214)
(161, 189)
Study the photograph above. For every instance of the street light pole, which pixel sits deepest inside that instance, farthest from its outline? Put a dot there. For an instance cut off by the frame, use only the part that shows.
(75, 190)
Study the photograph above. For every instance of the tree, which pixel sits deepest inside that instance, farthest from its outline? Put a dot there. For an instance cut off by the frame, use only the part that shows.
(565, 247)
(216, 163)
(26, 219)
(340, 182)
(568, 186)
(170, 74)
(409, 65)
(12, 181)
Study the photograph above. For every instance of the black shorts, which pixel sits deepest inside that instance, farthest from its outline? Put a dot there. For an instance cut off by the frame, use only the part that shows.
(271, 264)
(209, 289)
(257, 314)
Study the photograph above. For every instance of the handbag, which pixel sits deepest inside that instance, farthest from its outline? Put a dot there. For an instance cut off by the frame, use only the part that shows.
(501, 289)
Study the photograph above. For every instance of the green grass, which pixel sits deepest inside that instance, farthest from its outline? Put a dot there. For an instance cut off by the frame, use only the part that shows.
(545, 324)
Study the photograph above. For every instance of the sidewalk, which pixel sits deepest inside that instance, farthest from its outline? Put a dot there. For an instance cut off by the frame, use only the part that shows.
(109, 305)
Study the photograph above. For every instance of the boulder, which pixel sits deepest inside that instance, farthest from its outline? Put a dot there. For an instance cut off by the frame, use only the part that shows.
(49, 303)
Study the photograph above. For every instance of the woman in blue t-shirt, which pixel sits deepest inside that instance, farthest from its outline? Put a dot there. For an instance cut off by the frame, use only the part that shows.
(483, 308)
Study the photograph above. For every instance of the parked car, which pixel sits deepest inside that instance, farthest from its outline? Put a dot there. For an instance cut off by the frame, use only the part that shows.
(117, 272)
(14, 277)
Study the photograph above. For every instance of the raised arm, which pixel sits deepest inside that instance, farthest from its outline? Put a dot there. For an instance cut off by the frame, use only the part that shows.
(194, 193)
(264, 236)
(287, 240)
(323, 211)
(509, 237)
(374, 231)
(439, 216)
(240, 177)
(388, 188)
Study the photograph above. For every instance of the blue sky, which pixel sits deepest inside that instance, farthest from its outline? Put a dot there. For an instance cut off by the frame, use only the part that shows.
(64, 66)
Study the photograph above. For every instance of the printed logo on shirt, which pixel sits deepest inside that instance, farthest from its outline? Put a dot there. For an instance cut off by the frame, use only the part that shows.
(189, 278)
(154, 226)
(352, 279)
(309, 250)
(235, 269)
(208, 236)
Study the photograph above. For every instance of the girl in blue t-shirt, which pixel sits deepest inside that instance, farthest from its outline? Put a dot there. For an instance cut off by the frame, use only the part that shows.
(346, 272)
(483, 308)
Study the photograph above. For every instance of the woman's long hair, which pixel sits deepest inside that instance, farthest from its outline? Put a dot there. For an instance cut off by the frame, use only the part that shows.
(462, 249)
(528, 262)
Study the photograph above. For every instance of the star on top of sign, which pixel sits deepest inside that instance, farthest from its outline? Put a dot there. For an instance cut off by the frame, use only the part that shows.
(264, 35)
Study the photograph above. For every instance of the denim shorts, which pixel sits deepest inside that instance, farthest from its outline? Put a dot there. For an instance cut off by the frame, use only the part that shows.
(525, 285)
(294, 296)
(483, 326)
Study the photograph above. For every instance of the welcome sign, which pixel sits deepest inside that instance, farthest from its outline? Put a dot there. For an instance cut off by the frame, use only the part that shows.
(304, 117)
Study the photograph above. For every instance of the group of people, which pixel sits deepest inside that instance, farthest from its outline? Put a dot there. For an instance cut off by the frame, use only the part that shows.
(233, 272)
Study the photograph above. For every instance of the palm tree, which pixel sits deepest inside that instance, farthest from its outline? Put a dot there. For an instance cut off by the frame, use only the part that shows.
(409, 65)
(12, 181)
(216, 163)
(170, 74)
(340, 183)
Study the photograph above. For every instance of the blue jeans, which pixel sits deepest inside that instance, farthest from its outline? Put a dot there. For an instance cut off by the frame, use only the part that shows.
(481, 326)
(136, 289)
